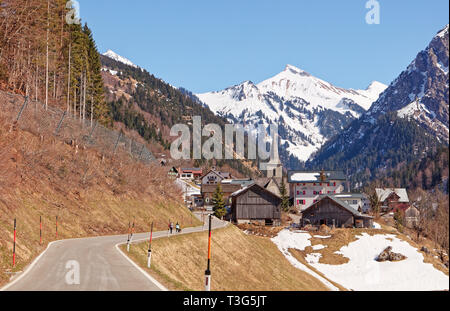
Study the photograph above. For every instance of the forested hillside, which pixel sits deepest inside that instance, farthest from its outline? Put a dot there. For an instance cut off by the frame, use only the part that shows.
(150, 106)
(45, 58)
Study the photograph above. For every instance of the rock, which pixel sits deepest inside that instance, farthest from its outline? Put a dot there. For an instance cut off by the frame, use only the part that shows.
(446, 264)
(425, 250)
(384, 255)
(389, 255)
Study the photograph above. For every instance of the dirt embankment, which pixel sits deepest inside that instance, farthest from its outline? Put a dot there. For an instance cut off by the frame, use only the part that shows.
(91, 194)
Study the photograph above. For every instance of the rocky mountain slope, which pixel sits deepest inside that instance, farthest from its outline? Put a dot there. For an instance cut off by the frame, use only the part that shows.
(149, 106)
(408, 121)
(308, 110)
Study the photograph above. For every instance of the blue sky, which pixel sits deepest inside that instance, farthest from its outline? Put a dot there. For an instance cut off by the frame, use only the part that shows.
(207, 45)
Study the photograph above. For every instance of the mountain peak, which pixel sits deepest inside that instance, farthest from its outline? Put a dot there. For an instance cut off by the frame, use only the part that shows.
(295, 70)
(113, 55)
(442, 32)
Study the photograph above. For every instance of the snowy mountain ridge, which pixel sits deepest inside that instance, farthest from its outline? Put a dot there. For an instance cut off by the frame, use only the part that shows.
(308, 110)
(113, 55)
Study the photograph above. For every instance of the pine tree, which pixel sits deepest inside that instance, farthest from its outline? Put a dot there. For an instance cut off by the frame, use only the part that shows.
(219, 203)
(284, 197)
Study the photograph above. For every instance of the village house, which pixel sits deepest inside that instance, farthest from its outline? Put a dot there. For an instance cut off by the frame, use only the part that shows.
(190, 173)
(331, 211)
(393, 199)
(173, 172)
(412, 215)
(207, 191)
(255, 204)
(354, 200)
(213, 177)
(306, 186)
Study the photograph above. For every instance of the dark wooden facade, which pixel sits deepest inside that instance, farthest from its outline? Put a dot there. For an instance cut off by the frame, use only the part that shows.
(334, 214)
(256, 204)
(227, 189)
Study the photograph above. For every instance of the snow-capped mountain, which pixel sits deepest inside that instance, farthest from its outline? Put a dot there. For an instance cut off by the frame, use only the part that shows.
(308, 110)
(117, 57)
(408, 121)
(421, 91)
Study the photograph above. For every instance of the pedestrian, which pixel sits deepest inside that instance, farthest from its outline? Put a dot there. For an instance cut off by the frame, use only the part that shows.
(171, 227)
(178, 227)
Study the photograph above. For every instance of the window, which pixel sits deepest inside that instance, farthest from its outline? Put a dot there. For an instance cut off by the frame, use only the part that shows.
(314, 184)
(302, 202)
(304, 192)
(298, 192)
(314, 192)
(334, 184)
(321, 184)
(304, 184)
(298, 202)
(329, 192)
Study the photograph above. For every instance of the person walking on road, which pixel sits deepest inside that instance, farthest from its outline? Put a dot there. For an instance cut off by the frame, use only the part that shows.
(171, 227)
(178, 227)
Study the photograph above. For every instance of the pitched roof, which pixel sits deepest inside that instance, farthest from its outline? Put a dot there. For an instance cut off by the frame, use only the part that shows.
(245, 189)
(195, 169)
(384, 193)
(341, 203)
(223, 175)
(314, 176)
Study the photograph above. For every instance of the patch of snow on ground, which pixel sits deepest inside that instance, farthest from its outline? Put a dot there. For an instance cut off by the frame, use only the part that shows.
(376, 225)
(318, 247)
(299, 240)
(363, 272)
(313, 258)
(322, 236)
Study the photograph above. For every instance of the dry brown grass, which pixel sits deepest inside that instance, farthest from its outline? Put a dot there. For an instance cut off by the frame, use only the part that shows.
(91, 195)
(240, 262)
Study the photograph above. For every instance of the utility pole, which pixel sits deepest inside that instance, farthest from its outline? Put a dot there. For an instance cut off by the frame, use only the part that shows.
(208, 269)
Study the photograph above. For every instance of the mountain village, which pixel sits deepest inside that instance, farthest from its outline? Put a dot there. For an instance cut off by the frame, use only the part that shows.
(354, 197)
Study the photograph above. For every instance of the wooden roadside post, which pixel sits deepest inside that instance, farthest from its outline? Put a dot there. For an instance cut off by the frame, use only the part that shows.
(149, 259)
(40, 230)
(208, 269)
(129, 237)
(14, 245)
(56, 227)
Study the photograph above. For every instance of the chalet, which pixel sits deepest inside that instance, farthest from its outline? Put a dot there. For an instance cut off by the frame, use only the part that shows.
(207, 191)
(412, 215)
(255, 204)
(214, 177)
(306, 187)
(393, 199)
(331, 211)
(354, 200)
(173, 172)
(190, 173)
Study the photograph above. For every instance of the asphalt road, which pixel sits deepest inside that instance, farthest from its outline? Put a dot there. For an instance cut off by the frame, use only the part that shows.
(102, 266)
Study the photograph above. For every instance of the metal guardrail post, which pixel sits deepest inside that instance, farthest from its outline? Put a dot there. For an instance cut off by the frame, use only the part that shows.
(22, 109)
(60, 123)
(117, 142)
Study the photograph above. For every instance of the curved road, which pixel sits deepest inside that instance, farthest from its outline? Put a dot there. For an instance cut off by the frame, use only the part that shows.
(103, 267)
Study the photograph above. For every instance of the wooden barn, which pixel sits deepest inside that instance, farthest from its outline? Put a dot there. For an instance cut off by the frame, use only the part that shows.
(331, 211)
(255, 204)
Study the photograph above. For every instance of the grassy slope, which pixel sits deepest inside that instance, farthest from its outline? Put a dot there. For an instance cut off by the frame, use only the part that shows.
(91, 196)
(239, 262)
